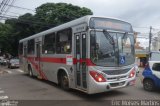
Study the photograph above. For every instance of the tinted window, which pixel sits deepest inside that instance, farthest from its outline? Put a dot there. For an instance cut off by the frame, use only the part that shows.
(49, 44)
(31, 46)
(64, 41)
(156, 66)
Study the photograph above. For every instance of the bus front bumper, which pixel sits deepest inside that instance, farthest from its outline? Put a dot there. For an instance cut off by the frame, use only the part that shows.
(97, 87)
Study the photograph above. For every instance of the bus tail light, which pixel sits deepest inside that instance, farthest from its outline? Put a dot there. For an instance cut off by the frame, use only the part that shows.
(132, 73)
(97, 76)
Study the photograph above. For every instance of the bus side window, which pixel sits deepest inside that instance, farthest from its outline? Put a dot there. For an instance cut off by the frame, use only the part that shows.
(64, 41)
(31, 47)
(49, 44)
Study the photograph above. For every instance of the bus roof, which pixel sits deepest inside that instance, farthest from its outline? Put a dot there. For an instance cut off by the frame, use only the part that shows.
(78, 21)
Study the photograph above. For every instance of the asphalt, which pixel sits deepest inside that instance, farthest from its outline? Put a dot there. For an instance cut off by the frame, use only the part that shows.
(18, 86)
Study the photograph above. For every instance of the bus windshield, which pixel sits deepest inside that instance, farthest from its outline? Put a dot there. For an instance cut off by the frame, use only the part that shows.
(112, 49)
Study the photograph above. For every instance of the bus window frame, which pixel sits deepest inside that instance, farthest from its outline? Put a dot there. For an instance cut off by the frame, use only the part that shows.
(31, 52)
(54, 43)
(58, 42)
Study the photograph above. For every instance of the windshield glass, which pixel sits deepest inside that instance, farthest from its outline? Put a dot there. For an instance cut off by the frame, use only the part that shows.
(14, 61)
(112, 49)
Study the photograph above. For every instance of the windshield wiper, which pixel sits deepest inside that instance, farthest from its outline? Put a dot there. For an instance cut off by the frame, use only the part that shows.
(125, 35)
(108, 36)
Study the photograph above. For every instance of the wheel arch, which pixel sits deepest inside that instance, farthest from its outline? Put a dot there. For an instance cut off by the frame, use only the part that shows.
(148, 78)
(59, 71)
(29, 66)
(149, 86)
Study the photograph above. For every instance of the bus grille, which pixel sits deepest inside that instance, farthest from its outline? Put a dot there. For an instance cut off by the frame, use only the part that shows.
(116, 72)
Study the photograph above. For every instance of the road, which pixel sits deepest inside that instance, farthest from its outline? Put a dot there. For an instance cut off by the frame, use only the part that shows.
(15, 85)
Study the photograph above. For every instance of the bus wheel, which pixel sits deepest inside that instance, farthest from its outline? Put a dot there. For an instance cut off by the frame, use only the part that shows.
(30, 72)
(148, 85)
(64, 81)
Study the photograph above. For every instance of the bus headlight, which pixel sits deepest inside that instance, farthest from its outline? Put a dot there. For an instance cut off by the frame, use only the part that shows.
(97, 76)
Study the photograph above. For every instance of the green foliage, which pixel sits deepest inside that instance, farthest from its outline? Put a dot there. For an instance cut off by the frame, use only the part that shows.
(47, 15)
(4, 36)
(55, 14)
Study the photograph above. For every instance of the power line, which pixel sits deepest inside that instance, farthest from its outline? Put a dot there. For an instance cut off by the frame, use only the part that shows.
(14, 13)
(9, 16)
(20, 7)
(2, 3)
(27, 21)
(13, 1)
(4, 6)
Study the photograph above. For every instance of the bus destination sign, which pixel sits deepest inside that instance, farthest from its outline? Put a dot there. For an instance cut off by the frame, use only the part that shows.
(110, 24)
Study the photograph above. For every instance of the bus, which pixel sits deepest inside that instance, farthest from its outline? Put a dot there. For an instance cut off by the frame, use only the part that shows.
(91, 54)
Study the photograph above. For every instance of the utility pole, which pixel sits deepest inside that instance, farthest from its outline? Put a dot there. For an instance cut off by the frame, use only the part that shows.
(150, 38)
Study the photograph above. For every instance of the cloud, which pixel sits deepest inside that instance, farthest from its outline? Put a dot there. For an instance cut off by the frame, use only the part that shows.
(137, 12)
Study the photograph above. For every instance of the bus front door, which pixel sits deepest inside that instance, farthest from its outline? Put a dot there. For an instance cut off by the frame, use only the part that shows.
(80, 55)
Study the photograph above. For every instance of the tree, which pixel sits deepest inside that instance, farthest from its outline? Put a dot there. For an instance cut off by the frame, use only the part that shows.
(47, 16)
(55, 14)
(4, 37)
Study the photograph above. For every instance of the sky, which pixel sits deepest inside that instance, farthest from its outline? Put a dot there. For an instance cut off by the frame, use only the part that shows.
(140, 13)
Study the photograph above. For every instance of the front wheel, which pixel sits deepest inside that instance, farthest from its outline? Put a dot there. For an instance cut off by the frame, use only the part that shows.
(148, 85)
(64, 81)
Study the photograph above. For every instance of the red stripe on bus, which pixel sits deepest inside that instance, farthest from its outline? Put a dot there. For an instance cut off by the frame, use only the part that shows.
(37, 67)
(63, 60)
(88, 61)
(53, 60)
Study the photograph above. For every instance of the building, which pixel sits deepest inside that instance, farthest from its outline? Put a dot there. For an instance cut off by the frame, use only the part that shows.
(141, 51)
(156, 42)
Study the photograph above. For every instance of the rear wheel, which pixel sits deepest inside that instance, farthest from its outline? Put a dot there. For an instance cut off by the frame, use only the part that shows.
(64, 82)
(30, 71)
(148, 85)
(8, 66)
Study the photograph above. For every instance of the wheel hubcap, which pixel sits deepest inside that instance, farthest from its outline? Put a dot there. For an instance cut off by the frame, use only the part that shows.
(65, 81)
(148, 86)
(30, 73)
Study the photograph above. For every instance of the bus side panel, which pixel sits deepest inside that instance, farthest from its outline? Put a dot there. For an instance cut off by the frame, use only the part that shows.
(51, 67)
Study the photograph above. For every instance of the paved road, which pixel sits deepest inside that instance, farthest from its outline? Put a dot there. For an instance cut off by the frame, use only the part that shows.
(15, 85)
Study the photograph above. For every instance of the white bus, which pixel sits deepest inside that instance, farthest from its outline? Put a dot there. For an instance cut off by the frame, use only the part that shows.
(91, 54)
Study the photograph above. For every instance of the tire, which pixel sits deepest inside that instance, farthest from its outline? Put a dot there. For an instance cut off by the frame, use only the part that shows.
(30, 73)
(148, 85)
(64, 82)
